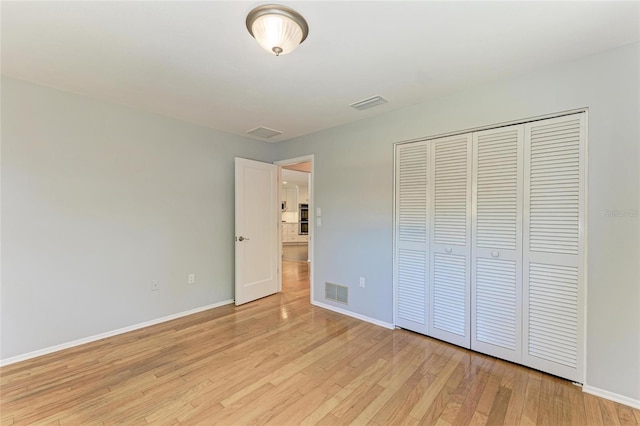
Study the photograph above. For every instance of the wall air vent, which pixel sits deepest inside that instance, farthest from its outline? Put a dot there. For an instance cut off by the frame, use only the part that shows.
(336, 292)
(368, 103)
(264, 132)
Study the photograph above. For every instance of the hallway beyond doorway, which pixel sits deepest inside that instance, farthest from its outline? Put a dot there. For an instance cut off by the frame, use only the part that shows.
(295, 252)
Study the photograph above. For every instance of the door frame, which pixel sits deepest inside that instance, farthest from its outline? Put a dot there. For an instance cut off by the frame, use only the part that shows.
(312, 193)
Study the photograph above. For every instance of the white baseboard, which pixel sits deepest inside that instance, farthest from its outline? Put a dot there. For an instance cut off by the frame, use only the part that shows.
(634, 403)
(354, 315)
(100, 336)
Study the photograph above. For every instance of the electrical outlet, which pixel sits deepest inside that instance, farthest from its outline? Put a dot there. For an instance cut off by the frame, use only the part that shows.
(362, 282)
(191, 279)
(155, 285)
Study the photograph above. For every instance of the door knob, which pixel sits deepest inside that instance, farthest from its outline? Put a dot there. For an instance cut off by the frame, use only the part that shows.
(495, 253)
(448, 250)
(241, 238)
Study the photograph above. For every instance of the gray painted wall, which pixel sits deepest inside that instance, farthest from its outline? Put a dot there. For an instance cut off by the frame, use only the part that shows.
(353, 175)
(98, 200)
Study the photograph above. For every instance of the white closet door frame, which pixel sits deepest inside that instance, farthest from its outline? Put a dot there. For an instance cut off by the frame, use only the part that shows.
(496, 254)
(411, 250)
(554, 246)
(450, 237)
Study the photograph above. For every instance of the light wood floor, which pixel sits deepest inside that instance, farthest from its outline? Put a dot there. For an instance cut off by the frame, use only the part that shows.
(281, 361)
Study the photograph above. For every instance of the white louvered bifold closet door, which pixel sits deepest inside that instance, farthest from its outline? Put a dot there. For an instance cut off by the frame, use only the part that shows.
(554, 219)
(496, 258)
(450, 219)
(412, 237)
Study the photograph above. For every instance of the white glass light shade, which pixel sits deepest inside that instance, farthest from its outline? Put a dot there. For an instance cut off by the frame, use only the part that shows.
(278, 29)
(274, 32)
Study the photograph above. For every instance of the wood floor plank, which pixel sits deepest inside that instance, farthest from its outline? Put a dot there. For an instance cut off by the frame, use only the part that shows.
(282, 361)
(371, 375)
(546, 415)
(437, 407)
(478, 419)
(404, 399)
(625, 415)
(295, 413)
(360, 390)
(457, 387)
(474, 390)
(391, 384)
(499, 407)
(609, 413)
(573, 407)
(593, 415)
(487, 398)
(422, 406)
(531, 401)
(330, 420)
(353, 407)
(517, 382)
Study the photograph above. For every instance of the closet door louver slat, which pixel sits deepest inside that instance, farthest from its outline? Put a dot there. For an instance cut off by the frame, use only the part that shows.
(449, 296)
(496, 304)
(412, 280)
(553, 269)
(411, 237)
(449, 282)
(496, 283)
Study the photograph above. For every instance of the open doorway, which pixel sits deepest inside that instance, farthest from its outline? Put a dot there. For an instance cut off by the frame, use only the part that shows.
(296, 200)
(294, 196)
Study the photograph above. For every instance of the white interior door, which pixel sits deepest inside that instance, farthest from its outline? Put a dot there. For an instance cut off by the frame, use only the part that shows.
(554, 224)
(256, 230)
(496, 257)
(449, 269)
(412, 237)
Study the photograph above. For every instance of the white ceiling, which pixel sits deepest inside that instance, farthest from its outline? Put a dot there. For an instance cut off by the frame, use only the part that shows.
(196, 61)
(295, 178)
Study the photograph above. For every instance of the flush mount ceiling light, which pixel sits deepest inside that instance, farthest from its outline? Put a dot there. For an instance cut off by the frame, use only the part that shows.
(276, 28)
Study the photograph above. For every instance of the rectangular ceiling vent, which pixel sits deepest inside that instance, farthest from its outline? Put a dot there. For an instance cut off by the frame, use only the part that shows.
(264, 132)
(336, 292)
(368, 103)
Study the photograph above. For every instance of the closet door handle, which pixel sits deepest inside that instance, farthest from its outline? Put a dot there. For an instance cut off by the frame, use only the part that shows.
(448, 250)
(495, 253)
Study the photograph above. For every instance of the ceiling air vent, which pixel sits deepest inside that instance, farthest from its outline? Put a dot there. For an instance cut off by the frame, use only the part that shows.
(368, 103)
(264, 132)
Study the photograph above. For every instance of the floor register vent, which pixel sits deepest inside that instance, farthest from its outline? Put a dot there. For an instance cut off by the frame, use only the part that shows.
(336, 292)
